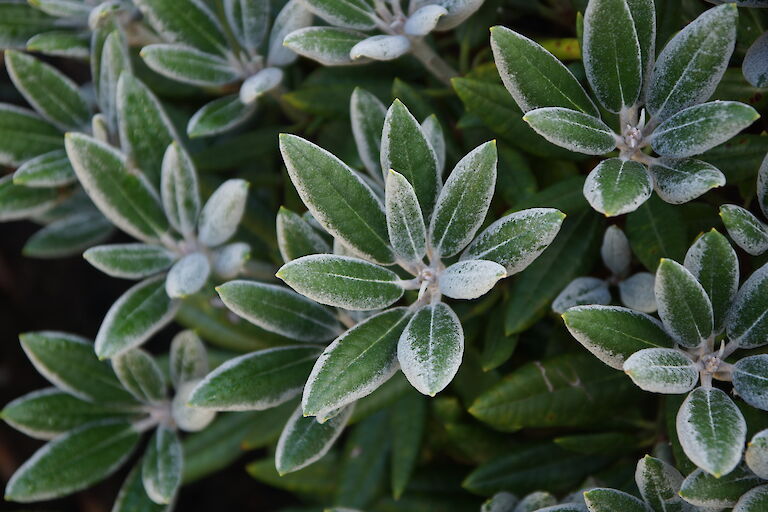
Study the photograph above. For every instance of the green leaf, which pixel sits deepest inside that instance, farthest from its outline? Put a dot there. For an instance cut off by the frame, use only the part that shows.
(355, 364)
(614, 333)
(222, 212)
(656, 230)
(704, 490)
(367, 115)
(138, 314)
(48, 413)
(616, 186)
(342, 281)
(745, 229)
(107, 65)
(713, 262)
(701, 127)
(304, 440)
(188, 358)
(684, 306)
(19, 201)
(756, 455)
(690, 66)
(179, 189)
(345, 206)
(431, 348)
(145, 129)
(464, 201)
(47, 170)
(162, 466)
(189, 65)
(140, 375)
(753, 500)
(363, 465)
(249, 21)
(190, 22)
(294, 15)
(69, 362)
(25, 135)
(405, 149)
(218, 116)
(68, 236)
(130, 261)
(297, 238)
(357, 14)
(124, 197)
(712, 430)
(659, 484)
(608, 500)
(662, 370)
(329, 46)
(407, 425)
(535, 501)
(256, 381)
(279, 310)
(543, 394)
(60, 43)
(582, 291)
(20, 21)
(750, 380)
(534, 77)
(611, 51)
(746, 322)
(73, 462)
(679, 181)
(754, 67)
(405, 221)
(572, 130)
(133, 497)
(50, 92)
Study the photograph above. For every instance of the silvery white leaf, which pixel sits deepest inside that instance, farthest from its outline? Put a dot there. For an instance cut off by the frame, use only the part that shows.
(367, 114)
(470, 279)
(179, 189)
(292, 17)
(582, 291)
(189, 419)
(755, 65)
(249, 21)
(424, 20)
(757, 454)
(615, 251)
(187, 275)
(188, 358)
(458, 11)
(230, 259)
(433, 131)
(662, 370)
(637, 292)
(405, 223)
(222, 213)
(100, 128)
(262, 82)
(381, 47)
(762, 186)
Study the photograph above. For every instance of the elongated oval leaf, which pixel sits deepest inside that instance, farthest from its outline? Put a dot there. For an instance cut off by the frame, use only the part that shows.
(582, 291)
(705, 490)
(405, 220)
(357, 14)
(130, 261)
(219, 116)
(684, 306)
(297, 238)
(222, 212)
(189, 22)
(249, 21)
(615, 251)
(679, 181)
(179, 189)
(188, 275)
(367, 115)
(140, 375)
(659, 484)
(19, 201)
(47, 170)
(756, 455)
(470, 279)
(745, 229)
(746, 322)
(572, 130)
(618, 186)
(754, 500)
(188, 358)
(330, 46)
(662, 370)
(608, 500)
(25, 135)
(189, 65)
(293, 16)
(750, 379)
(161, 467)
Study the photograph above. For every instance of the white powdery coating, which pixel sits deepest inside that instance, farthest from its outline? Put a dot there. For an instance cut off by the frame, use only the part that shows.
(326, 45)
(47, 170)
(292, 17)
(262, 82)
(209, 69)
(188, 357)
(755, 66)
(582, 291)
(675, 314)
(535, 501)
(430, 363)
(44, 435)
(187, 275)
(424, 20)
(230, 259)
(746, 230)
(679, 181)
(187, 418)
(662, 370)
(330, 13)
(158, 22)
(332, 429)
(99, 257)
(162, 466)
(558, 125)
(405, 222)
(433, 131)
(470, 279)
(699, 490)
(222, 213)
(615, 251)
(659, 489)
(364, 107)
(140, 376)
(179, 189)
(381, 47)
(602, 184)
(750, 380)
(762, 186)
(716, 445)
(458, 11)
(290, 222)
(757, 454)
(748, 304)
(754, 500)
(637, 292)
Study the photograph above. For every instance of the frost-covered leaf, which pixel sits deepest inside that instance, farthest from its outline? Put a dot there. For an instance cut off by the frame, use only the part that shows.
(355, 364)
(433, 131)
(458, 11)
(25, 135)
(611, 52)
(222, 212)
(50, 92)
(464, 201)
(762, 185)
(615, 251)
(538, 500)
(140, 375)
(189, 65)
(755, 64)
(747, 323)
(659, 484)
(717, 492)
(357, 14)
(218, 116)
(329, 46)
(179, 189)
(424, 20)
(637, 292)
(279, 310)
(711, 430)
(304, 440)
(229, 260)
(756, 455)
(470, 279)
(124, 197)
(367, 114)
(68, 236)
(610, 500)
(689, 68)
(699, 128)
(679, 181)
(582, 291)
(618, 186)
(613, 333)
(162, 466)
(534, 77)
(139, 313)
(431, 348)
(500, 502)
(683, 304)
(20, 21)
(249, 21)
(47, 170)
(188, 275)
(342, 281)
(189, 22)
(188, 358)
(714, 263)
(750, 380)
(19, 201)
(662, 370)
(108, 63)
(130, 261)
(60, 43)
(754, 500)
(297, 238)
(338, 198)
(572, 130)
(405, 221)
(405, 149)
(381, 47)
(256, 381)
(187, 417)
(747, 231)
(255, 86)
(99, 449)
